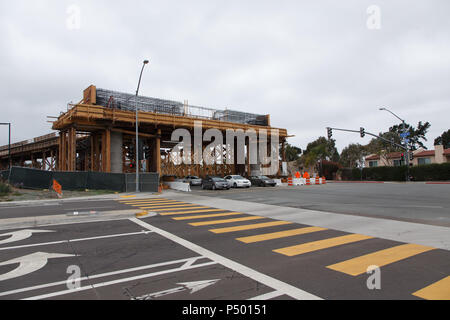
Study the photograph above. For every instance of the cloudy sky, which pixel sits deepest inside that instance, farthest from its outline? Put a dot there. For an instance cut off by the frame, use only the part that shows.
(310, 64)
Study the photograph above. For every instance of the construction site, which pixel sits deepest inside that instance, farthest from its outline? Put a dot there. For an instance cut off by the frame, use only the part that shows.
(98, 134)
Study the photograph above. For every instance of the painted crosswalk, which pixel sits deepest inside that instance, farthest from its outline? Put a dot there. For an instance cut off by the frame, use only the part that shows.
(279, 235)
(321, 244)
(199, 216)
(359, 265)
(437, 291)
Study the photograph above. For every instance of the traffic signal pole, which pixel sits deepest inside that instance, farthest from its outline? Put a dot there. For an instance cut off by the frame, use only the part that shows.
(363, 132)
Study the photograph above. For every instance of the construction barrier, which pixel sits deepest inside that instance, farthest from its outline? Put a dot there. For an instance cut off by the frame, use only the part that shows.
(180, 186)
(278, 182)
(290, 182)
(40, 179)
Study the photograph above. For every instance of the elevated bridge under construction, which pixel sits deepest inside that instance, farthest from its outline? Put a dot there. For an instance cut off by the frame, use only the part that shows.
(98, 134)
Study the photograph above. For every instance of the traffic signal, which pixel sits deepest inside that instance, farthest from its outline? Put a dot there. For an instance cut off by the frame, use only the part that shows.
(402, 157)
(330, 133)
(362, 131)
(147, 152)
(411, 156)
(141, 149)
(131, 154)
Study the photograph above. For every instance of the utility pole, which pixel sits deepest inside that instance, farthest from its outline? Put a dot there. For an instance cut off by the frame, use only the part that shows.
(137, 128)
(403, 139)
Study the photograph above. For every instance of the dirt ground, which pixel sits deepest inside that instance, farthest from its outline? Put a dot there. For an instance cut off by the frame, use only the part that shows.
(24, 194)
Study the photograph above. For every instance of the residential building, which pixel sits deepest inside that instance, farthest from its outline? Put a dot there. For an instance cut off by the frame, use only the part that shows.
(421, 157)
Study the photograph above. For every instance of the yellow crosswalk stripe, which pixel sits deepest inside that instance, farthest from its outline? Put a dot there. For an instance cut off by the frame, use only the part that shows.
(208, 216)
(173, 207)
(187, 208)
(359, 265)
(437, 291)
(145, 200)
(321, 244)
(163, 204)
(190, 211)
(155, 203)
(250, 227)
(278, 235)
(208, 223)
(128, 197)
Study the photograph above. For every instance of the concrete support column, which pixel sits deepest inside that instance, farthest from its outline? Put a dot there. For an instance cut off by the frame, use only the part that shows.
(116, 152)
(157, 152)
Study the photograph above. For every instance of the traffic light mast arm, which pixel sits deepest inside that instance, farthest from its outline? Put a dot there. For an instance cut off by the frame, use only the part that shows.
(373, 135)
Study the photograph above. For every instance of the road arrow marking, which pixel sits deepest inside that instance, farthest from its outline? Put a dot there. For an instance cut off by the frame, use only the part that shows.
(185, 286)
(20, 235)
(30, 263)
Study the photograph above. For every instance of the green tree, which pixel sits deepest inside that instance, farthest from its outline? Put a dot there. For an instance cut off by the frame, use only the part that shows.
(444, 139)
(416, 135)
(320, 149)
(292, 153)
(352, 155)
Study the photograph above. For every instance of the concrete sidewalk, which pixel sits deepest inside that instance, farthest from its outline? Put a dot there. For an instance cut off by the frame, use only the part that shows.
(87, 198)
(428, 235)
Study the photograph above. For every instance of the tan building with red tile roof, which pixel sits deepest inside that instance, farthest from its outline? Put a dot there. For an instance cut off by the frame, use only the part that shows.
(421, 156)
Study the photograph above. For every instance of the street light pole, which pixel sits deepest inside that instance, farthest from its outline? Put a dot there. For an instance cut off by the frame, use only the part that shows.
(137, 128)
(9, 142)
(406, 144)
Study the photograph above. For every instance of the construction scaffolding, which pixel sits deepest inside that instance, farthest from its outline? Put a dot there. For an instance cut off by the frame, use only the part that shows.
(98, 135)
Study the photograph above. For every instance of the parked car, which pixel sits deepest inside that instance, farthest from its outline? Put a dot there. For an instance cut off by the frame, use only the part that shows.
(193, 180)
(215, 183)
(262, 181)
(238, 181)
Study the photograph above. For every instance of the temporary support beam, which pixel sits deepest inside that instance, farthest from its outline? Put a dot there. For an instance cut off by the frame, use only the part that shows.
(158, 152)
(143, 135)
(72, 149)
(108, 150)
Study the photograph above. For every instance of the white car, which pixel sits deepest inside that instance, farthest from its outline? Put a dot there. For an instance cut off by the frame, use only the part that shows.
(238, 182)
(193, 180)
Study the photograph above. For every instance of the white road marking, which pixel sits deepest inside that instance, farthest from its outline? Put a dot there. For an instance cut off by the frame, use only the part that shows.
(30, 263)
(268, 296)
(107, 274)
(276, 284)
(89, 208)
(113, 282)
(77, 240)
(192, 286)
(20, 235)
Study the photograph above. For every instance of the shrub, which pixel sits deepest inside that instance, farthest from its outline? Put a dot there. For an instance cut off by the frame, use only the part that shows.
(429, 172)
(4, 189)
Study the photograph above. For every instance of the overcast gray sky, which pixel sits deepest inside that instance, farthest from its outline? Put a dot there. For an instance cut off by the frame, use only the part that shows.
(310, 64)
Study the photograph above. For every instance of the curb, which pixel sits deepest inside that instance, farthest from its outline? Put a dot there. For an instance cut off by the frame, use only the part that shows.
(56, 201)
(33, 222)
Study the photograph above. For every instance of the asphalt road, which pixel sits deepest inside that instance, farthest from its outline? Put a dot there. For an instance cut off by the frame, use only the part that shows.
(415, 202)
(195, 252)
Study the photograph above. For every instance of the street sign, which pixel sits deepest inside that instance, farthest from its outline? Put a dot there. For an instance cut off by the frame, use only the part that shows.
(404, 135)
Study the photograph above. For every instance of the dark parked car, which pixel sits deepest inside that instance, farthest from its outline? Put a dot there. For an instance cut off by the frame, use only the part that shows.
(215, 183)
(262, 181)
